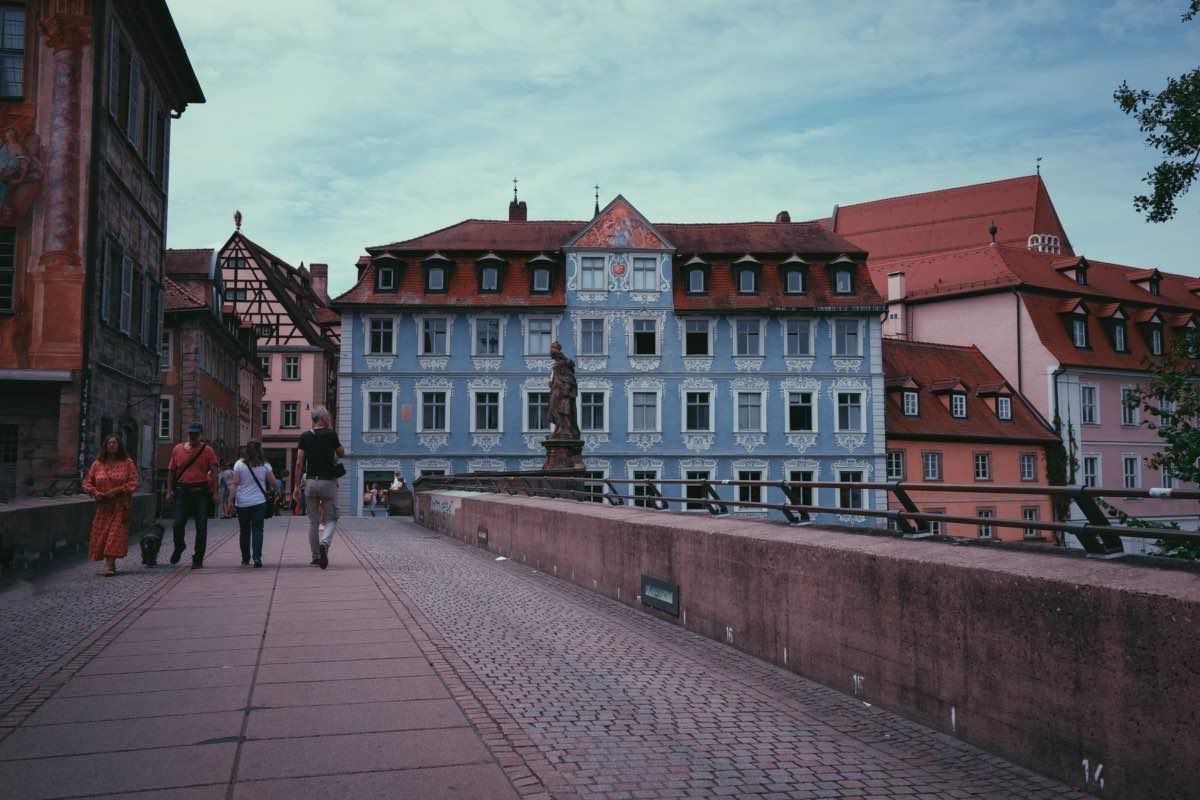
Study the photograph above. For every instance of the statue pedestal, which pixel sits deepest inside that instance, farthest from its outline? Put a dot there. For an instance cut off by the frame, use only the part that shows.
(563, 454)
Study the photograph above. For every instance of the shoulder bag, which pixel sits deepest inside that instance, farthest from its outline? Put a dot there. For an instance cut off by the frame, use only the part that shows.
(269, 498)
(188, 465)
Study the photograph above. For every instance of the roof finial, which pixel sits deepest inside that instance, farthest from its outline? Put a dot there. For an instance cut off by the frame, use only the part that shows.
(237, 219)
(1038, 164)
(992, 230)
(514, 190)
(596, 211)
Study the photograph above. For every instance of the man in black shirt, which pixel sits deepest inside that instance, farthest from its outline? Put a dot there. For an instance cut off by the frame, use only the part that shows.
(317, 465)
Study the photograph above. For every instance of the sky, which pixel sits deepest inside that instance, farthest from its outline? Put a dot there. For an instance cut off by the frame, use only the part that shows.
(334, 125)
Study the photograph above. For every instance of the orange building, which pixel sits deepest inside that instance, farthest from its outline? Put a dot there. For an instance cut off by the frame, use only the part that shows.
(88, 92)
(952, 418)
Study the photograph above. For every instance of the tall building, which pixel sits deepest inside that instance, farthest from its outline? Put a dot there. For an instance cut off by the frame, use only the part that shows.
(725, 351)
(87, 95)
(298, 338)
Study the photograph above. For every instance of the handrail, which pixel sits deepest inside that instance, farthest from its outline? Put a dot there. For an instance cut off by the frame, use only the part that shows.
(1096, 535)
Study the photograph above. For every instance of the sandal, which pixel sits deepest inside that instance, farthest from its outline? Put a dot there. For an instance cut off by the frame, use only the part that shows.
(109, 573)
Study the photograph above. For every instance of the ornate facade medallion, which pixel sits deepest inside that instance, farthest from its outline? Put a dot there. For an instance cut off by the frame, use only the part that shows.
(592, 363)
(380, 363)
(801, 364)
(699, 442)
(645, 363)
(485, 465)
(486, 441)
(850, 441)
(379, 438)
(748, 364)
(801, 441)
(538, 364)
(847, 364)
(487, 363)
(433, 441)
(433, 362)
(750, 441)
(644, 441)
(594, 441)
(695, 364)
(533, 441)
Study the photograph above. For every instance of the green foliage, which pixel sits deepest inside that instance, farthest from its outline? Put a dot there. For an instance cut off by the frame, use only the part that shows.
(1056, 470)
(1170, 119)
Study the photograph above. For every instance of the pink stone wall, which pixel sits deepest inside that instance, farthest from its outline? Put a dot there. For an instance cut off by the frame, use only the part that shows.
(1049, 660)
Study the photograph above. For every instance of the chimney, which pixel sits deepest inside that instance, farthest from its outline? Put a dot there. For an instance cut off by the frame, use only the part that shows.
(320, 280)
(783, 216)
(517, 212)
(896, 324)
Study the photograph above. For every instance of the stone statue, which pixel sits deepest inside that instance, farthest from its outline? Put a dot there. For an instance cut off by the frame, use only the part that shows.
(563, 391)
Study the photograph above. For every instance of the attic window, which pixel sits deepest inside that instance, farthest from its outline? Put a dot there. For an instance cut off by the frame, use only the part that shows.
(489, 279)
(958, 405)
(435, 279)
(794, 281)
(1045, 243)
(747, 283)
(911, 404)
(1119, 343)
(843, 282)
(1156, 341)
(1004, 407)
(385, 279)
(541, 280)
(696, 282)
(1079, 333)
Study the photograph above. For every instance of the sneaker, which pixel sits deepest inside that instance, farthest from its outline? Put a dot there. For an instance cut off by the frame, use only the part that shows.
(197, 563)
(257, 564)
(176, 553)
(245, 562)
(316, 562)
(323, 561)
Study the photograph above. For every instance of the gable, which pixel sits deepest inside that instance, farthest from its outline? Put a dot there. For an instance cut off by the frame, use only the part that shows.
(620, 227)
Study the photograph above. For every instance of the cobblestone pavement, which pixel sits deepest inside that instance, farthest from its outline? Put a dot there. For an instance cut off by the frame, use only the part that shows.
(43, 614)
(597, 700)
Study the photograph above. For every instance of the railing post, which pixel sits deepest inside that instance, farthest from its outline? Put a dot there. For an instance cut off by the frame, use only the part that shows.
(717, 507)
(616, 501)
(794, 497)
(906, 528)
(1104, 545)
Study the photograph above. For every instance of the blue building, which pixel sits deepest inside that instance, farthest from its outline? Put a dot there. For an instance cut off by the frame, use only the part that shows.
(743, 351)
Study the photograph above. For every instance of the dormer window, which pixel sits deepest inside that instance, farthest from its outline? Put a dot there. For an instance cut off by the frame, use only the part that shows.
(843, 282)
(696, 282)
(1079, 333)
(1119, 337)
(1081, 275)
(746, 271)
(795, 275)
(539, 274)
(490, 273)
(435, 279)
(489, 280)
(958, 405)
(911, 404)
(1153, 286)
(1156, 341)
(387, 273)
(1004, 407)
(541, 280)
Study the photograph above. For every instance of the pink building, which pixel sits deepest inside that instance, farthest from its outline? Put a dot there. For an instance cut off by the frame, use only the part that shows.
(1068, 332)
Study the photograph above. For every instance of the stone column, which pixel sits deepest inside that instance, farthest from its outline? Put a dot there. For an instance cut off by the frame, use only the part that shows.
(66, 35)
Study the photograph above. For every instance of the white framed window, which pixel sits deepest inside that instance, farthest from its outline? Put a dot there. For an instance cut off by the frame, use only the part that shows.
(797, 335)
(1130, 414)
(847, 337)
(1028, 463)
(1119, 337)
(385, 279)
(801, 412)
(1131, 472)
(931, 465)
(807, 493)
(749, 494)
(850, 414)
(166, 415)
(1004, 407)
(433, 412)
(435, 336)
(487, 410)
(843, 282)
(1156, 341)
(697, 284)
(290, 417)
(264, 363)
(747, 281)
(983, 466)
(958, 405)
(291, 368)
(750, 411)
(539, 333)
(645, 274)
(895, 465)
(985, 530)
(697, 337)
(1079, 332)
(911, 403)
(380, 411)
(381, 336)
(748, 339)
(794, 281)
(541, 280)
(593, 336)
(435, 279)
(166, 352)
(266, 414)
(537, 412)
(645, 411)
(594, 485)
(593, 411)
(1089, 404)
(1091, 471)
(1030, 514)
(485, 337)
(591, 275)
(645, 337)
(489, 279)
(933, 526)
(698, 411)
(696, 493)
(850, 497)
(642, 491)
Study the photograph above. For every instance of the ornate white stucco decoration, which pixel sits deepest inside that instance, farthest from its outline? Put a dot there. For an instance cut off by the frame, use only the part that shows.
(487, 362)
(433, 441)
(696, 464)
(488, 384)
(746, 364)
(379, 438)
(380, 363)
(534, 440)
(379, 463)
(697, 385)
(749, 384)
(433, 362)
(750, 441)
(643, 384)
(751, 463)
(591, 363)
(847, 364)
(572, 271)
(588, 384)
(801, 441)
(800, 464)
(486, 465)
(380, 383)
(539, 365)
(645, 363)
(698, 442)
(642, 464)
(619, 269)
(532, 464)
(850, 385)
(593, 441)
(626, 318)
(536, 362)
(598, 465)
(644, 441)
(696, 364)
(799, 363)
(536, 383)
(485, 441)
(853, 464)
(851, 519)
(850, 441)
(433, 463)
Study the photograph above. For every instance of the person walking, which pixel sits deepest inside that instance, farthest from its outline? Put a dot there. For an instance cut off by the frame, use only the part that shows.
(224, 477)
(247, 489)
(317, 465)
(111, 480)
(192, 482)
(372, 498)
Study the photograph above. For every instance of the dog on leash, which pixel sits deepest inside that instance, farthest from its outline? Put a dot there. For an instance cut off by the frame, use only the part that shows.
(151, 543)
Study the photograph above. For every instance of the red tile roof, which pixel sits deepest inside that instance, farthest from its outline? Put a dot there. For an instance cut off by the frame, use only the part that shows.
(196, 261)
(180, 297)
(723, 295)
(951, 219)
(462, 289)
(928, 364)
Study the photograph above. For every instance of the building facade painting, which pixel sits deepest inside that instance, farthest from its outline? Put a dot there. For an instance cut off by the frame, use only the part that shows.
(699, 354)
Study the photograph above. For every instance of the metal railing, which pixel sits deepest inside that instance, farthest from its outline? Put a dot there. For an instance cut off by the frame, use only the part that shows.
(1097, 536)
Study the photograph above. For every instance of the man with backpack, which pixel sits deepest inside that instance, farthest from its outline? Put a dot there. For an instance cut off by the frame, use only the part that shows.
(192, 483)
(318, 467)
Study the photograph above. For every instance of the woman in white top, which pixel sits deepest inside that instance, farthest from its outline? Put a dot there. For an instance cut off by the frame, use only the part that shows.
(248, 490)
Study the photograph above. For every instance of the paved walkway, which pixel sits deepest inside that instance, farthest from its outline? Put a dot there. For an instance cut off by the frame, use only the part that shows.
(416, 667)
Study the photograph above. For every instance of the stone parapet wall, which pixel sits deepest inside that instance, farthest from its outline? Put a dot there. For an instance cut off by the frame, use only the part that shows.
(37, 529)
(1082, 669)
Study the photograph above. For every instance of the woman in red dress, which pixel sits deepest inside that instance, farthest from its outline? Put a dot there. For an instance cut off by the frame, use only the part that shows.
(112, 480)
